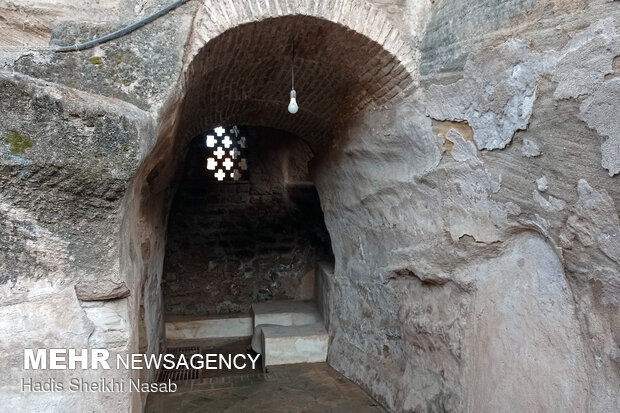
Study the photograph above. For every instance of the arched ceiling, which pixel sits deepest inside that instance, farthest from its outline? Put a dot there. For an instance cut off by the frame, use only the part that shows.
(243, 76)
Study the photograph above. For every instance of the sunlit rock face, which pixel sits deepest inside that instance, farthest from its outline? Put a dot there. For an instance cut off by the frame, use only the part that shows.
(470, 189)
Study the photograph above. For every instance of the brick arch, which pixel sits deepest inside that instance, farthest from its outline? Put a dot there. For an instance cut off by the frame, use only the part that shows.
(242, 75)
(215, 17)
(235, 73)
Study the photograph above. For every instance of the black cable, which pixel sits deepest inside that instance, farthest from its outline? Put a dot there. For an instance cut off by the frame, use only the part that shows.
(293, 68)
(121, 32)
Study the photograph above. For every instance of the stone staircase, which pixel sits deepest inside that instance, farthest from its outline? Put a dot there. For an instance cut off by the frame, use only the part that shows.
(283, 332)
(208, 327)
(289, 332)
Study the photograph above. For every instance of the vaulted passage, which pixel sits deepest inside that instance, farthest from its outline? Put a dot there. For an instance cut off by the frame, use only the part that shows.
(243, 77)
(255, 232)
(248, 258)
(251, 237)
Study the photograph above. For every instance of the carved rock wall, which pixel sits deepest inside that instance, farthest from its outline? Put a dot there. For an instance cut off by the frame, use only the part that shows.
(475, 230)
(473, 215)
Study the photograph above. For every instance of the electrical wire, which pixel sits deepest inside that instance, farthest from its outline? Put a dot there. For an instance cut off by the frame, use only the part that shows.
(293, 68)
(121, 32)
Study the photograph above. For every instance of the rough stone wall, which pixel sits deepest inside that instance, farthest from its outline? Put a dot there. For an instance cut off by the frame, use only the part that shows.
(30, 22)
(66, 159)
(78, 253)
(474, 225)
(477, 253)
(234, 243)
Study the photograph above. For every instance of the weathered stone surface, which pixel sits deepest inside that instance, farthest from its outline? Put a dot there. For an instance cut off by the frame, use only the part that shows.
(67, 157)
(112, 326)
(462, 150)
(530, 149)
(62, 191)
(523, 312)
(423, 369)
(542, 184)
(581, 71)
(102, 291)
(550, 204)
(30, 22)
(600, 112)
(138, 68)
(495, 95)
(53, 320)
(467, 277)
(596, 221)
(586, 59)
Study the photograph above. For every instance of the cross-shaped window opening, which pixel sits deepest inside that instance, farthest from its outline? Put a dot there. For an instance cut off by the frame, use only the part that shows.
(211, 141)
(226, 158)
(219, 153)
(228, 163)
(220, 175)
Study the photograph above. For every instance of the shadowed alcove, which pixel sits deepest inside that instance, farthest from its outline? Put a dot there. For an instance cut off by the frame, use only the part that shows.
(254, 235)
(221, 247)
(264, 242)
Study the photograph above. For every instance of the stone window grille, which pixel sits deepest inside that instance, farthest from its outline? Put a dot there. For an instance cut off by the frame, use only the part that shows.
(227, 154)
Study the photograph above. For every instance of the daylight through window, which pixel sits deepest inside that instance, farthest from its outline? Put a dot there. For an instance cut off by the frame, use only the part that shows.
(226, 158)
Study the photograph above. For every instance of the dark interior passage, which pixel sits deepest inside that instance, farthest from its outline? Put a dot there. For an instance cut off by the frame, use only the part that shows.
(235, 242)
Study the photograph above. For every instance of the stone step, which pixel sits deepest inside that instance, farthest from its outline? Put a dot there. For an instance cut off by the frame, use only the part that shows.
(293, 344)
(184, 328)
(285, 313)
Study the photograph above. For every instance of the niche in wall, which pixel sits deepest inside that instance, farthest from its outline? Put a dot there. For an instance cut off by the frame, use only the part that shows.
(251, 236)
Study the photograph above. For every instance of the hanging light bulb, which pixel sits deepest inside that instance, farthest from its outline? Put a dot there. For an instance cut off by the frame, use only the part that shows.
(292, 106)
